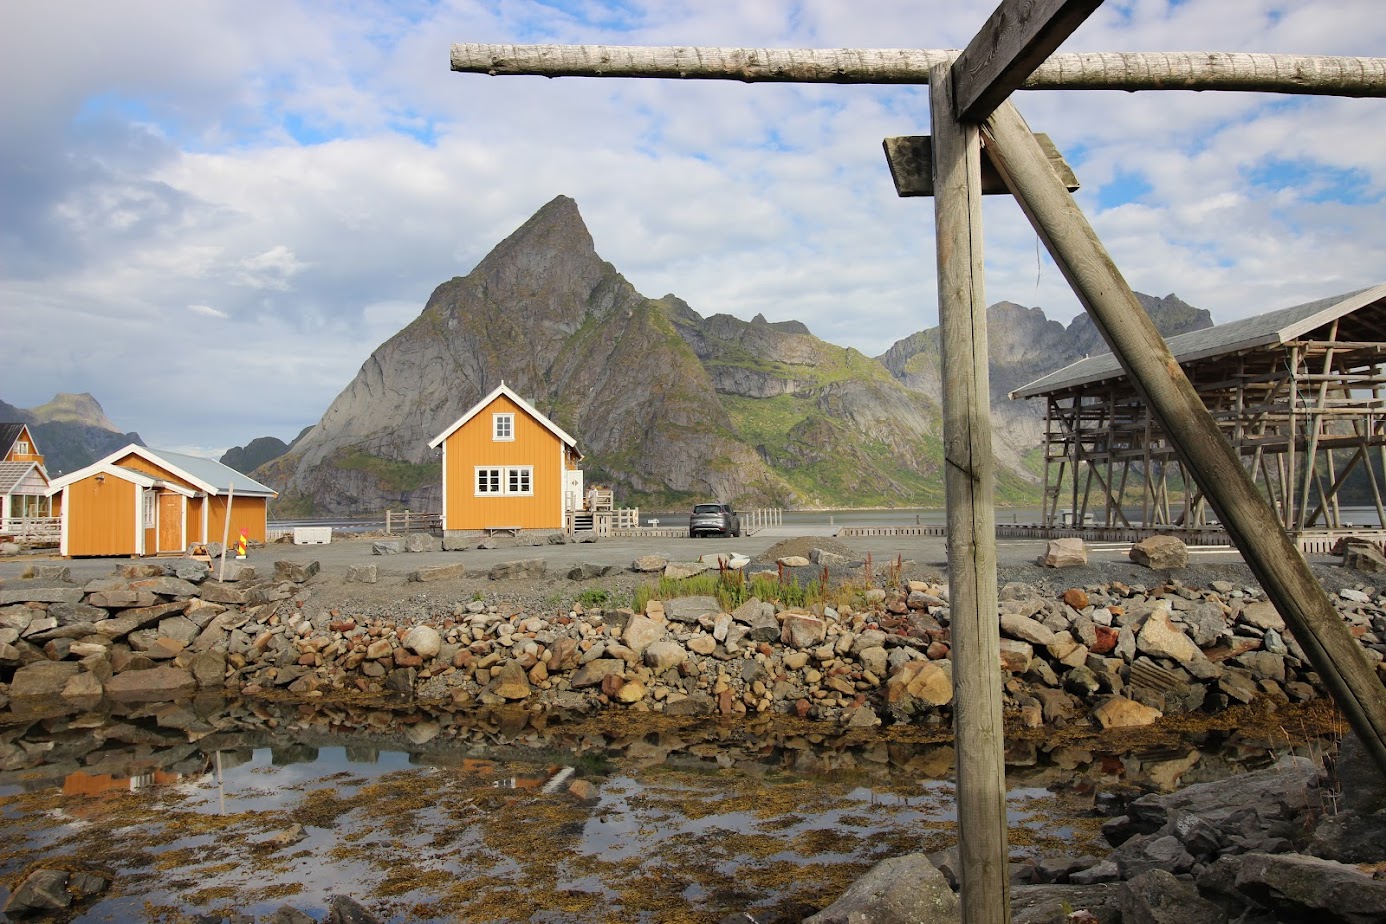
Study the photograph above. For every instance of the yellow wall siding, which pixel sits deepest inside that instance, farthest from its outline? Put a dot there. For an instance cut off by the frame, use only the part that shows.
(473, 446)
(33, 455)
(247, 512)
(195, 533)
(101, 517)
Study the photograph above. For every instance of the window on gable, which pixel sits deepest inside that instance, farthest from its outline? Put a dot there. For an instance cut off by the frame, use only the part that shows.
(503, 426)
(21, 448)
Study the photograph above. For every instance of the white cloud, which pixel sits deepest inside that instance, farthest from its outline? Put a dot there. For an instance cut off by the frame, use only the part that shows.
(306, 176)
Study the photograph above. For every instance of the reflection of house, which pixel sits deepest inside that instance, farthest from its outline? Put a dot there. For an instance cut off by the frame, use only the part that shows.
(508, 467)
(23, 479)
(140, 501)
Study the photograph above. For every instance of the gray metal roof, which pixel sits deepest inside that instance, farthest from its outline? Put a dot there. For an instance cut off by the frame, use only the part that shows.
(1274, 327)
(213, 473)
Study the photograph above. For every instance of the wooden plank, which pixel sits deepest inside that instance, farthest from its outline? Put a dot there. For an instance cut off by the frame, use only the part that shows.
(912, 166)
(1014, 40)
(969, 480)
(1322, 75)
(1203, 449)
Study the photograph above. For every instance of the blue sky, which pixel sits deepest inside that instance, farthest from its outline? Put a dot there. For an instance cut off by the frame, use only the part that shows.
(212, 212)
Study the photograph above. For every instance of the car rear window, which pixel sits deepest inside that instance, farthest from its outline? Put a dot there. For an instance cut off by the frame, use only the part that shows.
(706, 508)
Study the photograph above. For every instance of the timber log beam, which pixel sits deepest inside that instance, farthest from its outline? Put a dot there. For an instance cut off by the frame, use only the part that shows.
(1324, 75)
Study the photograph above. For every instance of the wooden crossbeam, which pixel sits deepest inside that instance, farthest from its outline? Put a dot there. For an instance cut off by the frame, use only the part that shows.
(1014, 40)
(911, 160)
(1320, 75)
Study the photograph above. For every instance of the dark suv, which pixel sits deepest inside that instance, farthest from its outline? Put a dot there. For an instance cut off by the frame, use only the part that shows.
(713, 518)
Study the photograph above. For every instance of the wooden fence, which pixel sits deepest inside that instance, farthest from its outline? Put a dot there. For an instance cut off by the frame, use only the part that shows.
(405, 521)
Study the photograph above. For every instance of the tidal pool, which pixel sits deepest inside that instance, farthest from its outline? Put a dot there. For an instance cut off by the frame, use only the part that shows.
(509, 815)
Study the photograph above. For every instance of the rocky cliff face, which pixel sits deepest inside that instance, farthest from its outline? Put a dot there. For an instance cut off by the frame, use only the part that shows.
(1022, 346)
(546, 315)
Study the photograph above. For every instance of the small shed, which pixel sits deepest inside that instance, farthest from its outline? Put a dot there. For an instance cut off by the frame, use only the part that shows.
(507, 467)
(140, 501)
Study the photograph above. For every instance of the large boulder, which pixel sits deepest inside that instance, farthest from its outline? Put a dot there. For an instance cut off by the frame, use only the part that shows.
(295, 572)
(691, 609)
(901, 890)
(1364, 556)
(157, 684)
(424, 641)
(42, 678)
(1064, 553)
(1160, 553)
(521, 569)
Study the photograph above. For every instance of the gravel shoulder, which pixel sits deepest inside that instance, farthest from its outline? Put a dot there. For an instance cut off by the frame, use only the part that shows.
(914, 558)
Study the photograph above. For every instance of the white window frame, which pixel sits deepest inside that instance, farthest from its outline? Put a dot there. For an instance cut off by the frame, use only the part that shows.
(151, 509)
(21, 448)
(493, 475)
(503, 428)
(519, 480)
(503, 481)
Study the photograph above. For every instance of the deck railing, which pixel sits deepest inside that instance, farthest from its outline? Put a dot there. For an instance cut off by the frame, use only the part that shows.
(32, 527)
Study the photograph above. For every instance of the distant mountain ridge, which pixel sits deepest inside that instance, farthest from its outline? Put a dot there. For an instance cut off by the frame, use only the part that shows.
(72, 431)
(667, 405)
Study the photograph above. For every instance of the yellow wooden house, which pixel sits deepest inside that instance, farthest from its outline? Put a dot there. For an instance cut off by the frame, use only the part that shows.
(23, 479)
(141, 501)
(507, 467)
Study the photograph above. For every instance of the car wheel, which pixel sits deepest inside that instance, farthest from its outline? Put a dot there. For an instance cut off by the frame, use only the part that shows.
(737, 534)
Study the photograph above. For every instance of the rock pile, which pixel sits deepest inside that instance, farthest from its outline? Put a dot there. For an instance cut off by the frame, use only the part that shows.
(1125, 654)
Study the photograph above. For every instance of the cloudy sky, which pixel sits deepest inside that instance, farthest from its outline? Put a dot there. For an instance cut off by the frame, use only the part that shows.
(212, 212)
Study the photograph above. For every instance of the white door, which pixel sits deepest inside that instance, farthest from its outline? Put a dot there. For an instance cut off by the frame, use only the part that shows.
(572, 489)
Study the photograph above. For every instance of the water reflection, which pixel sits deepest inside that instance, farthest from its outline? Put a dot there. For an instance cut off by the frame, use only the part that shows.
(436, 815)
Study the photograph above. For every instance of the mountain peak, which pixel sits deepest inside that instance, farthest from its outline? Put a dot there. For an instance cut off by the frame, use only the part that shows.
(69, 408)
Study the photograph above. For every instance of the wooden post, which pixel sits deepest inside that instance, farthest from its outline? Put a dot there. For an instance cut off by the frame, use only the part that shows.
(968, 487)
(226, 531)
(1203, 450)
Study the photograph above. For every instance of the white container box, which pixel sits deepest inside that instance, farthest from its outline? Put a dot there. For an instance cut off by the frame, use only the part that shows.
(312, 535)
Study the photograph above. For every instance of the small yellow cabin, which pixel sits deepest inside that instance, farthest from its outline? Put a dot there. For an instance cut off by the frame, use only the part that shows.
(140, 501)
(507, 467)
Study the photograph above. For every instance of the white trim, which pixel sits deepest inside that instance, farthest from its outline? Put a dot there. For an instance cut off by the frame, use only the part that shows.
(499, 480)
(510, 471)
(504, 473)
(509, 418)
(445, 488)
(62, 528)
(139, 520)
(524, 405)
(108, 464)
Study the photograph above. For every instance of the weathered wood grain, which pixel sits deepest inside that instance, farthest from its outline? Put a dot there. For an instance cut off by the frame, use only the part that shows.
(1015, 39)
(911, 162)
(1174, 70)
(969, 482)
